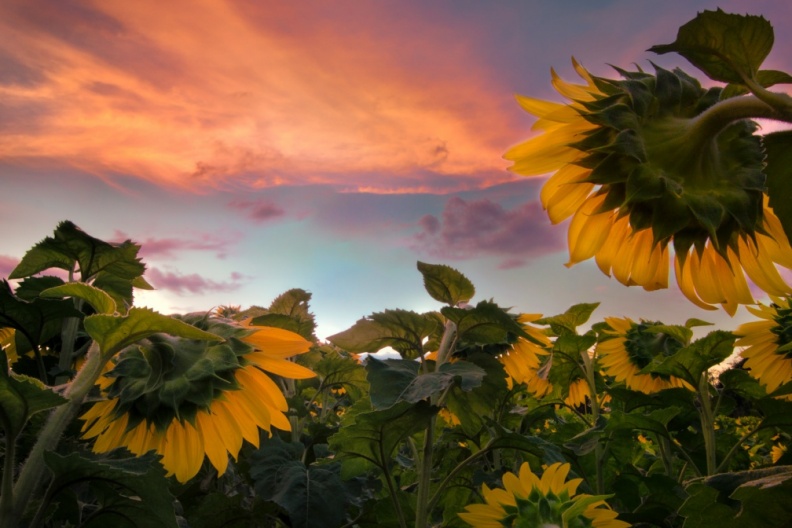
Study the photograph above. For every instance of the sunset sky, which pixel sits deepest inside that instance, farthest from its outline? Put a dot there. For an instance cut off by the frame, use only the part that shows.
(257, 146)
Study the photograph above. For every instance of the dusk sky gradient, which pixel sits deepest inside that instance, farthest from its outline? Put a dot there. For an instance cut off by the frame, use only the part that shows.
(255, 146)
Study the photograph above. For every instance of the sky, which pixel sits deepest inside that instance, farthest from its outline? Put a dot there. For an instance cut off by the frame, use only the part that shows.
(251, 147)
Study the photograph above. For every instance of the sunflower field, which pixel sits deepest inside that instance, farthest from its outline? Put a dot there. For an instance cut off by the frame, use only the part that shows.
(481, 415)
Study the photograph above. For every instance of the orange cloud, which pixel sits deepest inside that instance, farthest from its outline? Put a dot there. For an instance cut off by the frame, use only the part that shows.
(206, 95)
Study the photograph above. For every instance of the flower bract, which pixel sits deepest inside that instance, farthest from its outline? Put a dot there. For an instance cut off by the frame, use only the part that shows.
(188, 399)
(528, 500)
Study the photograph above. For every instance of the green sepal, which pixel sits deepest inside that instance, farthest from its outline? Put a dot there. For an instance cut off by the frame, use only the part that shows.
(445, 284)
(100, 301)
(115, 332)
(778, 150)
(644, 184)
(727, 47)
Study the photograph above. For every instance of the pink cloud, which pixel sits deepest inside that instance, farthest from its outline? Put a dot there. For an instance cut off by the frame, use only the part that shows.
(483, 227)
(7, 265)
(192, 283)
(169, 247)
(258, 211)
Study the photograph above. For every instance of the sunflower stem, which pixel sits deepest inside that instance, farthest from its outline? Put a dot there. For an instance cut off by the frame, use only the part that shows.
(34, 468)
(7, 489)
(711, 121)
(459, 467)
(425, 477)
(68, 335)
(588, 370)
(707, 422)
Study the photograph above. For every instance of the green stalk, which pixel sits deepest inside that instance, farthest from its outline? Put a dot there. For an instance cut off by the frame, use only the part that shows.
(34, 468)
(588, 370)
(68, 335)
(707, 423)
(459, 467)
(7, 485)
(426, 460)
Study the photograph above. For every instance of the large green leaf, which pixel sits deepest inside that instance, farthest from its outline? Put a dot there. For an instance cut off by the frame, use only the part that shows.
(474, 407)
(568, 321)
(655, 421)
(101, 302)
(131, 492)
(484, 324)
(36, 321)
(70, 245)
(21, 397)
(745, 499)
(114, 332)
(396, 380)
(290, 311)
(691, 362)
(778, 152)
(725, 46)
(312, 495)
(374, 435)
(335, 369)
(445, 284)
(401, 329)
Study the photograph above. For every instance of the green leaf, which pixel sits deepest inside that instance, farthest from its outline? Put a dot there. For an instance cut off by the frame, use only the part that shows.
(485, 324)
(115, 332)
(727, 47)
(70, 245)
(394, 380)
(335, 369)
(569, 321)
(765, 78)
(744, 499)
(655, 421)
(401, 329)
(37, 321)
(445, 284)
(131, 492)
(374, 435)
(691, 362)
(473, 407)
(311, 495)
(389, 379)
(778, 160)
(290, 311)
(101, 302)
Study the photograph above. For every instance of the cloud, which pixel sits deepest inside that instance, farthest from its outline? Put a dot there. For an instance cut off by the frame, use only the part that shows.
(192, 283)
(7, 265)
(258, 210)
(168, 248)
(470, 229)
(221, 96)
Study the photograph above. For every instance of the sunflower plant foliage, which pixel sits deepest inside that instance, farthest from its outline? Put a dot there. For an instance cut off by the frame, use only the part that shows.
(472, 414)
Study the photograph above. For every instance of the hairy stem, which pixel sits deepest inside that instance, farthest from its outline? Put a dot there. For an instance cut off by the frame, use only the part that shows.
(34, 468)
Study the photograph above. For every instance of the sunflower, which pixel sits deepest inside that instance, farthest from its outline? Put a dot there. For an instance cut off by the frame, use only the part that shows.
(528, 500)
(768, 343)
(187, 399)
(524, 359)
(632, 347)
(638, 166)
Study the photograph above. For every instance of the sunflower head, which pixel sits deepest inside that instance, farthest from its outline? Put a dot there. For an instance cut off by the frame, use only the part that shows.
(550, 500)
(657, 163)
(189, 399)
(167, 378)
(650, 162)
(768, 344)
(629, 350)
